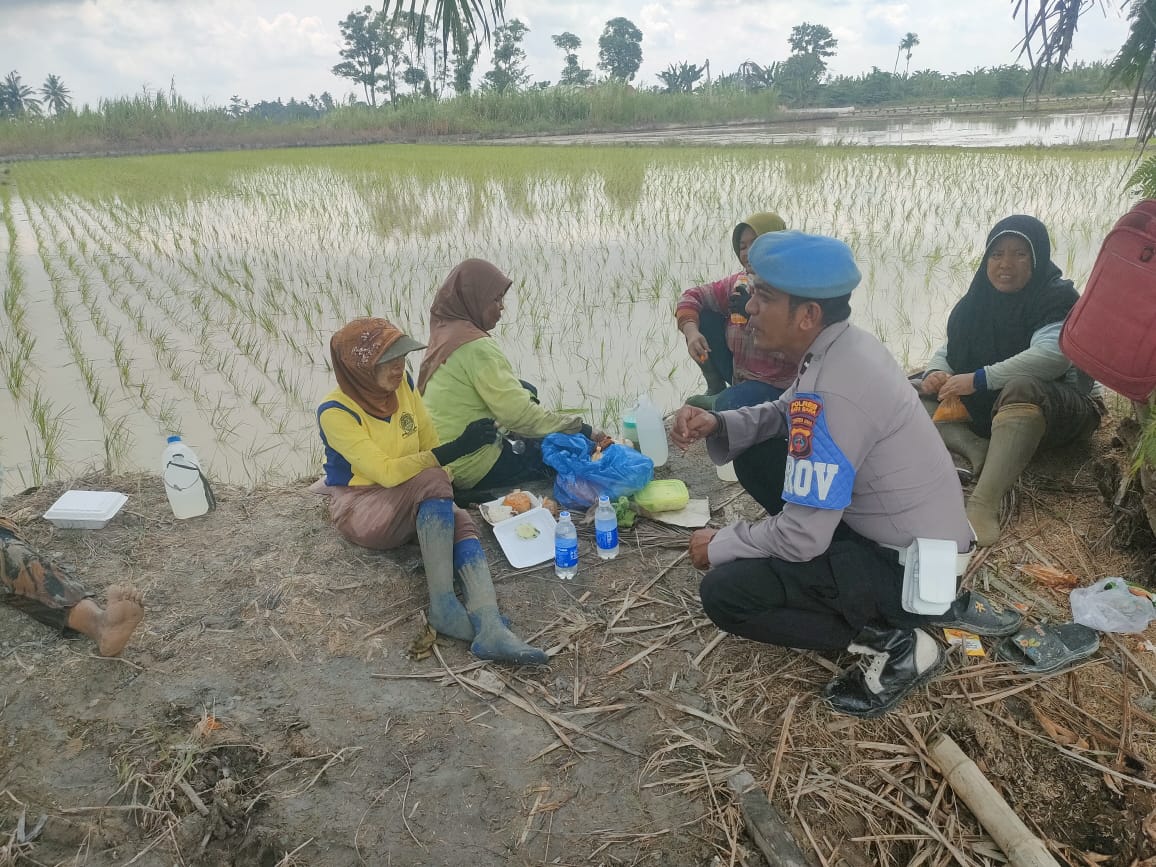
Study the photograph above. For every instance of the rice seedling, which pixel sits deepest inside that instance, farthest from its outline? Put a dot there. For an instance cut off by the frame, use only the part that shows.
(202, 289)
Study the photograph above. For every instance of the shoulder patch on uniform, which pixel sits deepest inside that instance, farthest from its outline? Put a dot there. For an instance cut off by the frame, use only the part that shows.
(804, 412)
(817, 474)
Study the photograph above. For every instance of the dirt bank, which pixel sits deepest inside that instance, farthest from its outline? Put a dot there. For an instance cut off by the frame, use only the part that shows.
(268, 713)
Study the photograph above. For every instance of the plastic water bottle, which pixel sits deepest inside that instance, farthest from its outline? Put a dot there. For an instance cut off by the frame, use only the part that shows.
(651, 431)
(606, 529)
(565, 548)
(188, 489)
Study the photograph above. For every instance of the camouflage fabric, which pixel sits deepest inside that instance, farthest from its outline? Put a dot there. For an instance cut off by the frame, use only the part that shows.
(34, 585)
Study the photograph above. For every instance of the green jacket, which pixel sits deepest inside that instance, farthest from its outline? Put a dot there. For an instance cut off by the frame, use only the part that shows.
(477, 381)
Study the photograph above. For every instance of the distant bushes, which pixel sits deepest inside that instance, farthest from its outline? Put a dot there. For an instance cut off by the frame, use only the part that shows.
(160, 121)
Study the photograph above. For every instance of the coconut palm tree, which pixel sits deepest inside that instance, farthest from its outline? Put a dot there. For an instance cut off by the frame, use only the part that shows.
(1050, 29)
(16, 97)
(56, 96)
(458, 19)
(907, 43)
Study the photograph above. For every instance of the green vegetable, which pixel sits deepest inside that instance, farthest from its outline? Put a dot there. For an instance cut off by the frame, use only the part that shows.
(624, 512)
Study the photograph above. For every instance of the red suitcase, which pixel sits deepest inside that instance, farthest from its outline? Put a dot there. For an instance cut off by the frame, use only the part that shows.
(1110, 333)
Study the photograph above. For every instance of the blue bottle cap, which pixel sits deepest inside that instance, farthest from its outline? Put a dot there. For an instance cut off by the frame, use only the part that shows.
(174, 439)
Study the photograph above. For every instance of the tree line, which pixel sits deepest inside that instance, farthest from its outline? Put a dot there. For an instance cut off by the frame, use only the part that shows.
(386, 56)
(393, 59)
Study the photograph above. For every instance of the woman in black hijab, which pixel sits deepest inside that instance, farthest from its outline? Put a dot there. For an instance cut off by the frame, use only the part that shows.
(1002, 359)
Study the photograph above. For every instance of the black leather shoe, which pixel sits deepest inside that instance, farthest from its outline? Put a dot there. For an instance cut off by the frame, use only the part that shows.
(976, 613)
(899, 661)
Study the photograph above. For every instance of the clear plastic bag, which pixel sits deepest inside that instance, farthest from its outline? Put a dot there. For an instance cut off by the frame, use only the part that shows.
(618, 473)
(1110, 606)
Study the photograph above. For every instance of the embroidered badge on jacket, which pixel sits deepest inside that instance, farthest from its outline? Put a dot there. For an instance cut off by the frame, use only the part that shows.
(818, 474)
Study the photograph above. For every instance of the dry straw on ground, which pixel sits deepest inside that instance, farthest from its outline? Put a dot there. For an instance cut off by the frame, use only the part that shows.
(268, 713)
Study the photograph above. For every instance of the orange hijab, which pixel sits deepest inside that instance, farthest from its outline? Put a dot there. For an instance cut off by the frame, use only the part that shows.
(355, 350)
(455, 317)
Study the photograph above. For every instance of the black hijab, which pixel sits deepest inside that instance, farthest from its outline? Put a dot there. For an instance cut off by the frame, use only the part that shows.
(987, 326)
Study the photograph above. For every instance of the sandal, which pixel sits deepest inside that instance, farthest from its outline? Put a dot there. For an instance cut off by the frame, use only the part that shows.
(1048, 647)
(977, 614)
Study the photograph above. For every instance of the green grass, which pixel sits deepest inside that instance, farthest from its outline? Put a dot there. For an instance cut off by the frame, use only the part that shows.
(156, 122)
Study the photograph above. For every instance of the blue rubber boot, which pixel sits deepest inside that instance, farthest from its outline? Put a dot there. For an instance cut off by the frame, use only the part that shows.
(494, 640)
(435, 535)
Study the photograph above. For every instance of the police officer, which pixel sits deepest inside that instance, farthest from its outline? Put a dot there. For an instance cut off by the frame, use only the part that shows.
(866, 474)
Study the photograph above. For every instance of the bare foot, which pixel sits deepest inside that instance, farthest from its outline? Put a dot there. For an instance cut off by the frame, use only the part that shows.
(119, 619)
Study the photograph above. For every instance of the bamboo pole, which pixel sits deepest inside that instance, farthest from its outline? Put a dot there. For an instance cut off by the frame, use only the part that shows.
(1022, 847)
(764, 824)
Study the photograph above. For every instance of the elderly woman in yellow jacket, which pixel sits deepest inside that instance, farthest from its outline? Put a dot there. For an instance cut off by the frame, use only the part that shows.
(385, 476)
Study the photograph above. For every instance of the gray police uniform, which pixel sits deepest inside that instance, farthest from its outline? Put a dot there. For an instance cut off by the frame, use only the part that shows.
(865, 470)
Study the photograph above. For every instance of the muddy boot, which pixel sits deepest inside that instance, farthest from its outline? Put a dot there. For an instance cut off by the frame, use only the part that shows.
(714, 384)
(961, 440)
(435, 535)
(494, 640)
(899, 661)
(1016, 432)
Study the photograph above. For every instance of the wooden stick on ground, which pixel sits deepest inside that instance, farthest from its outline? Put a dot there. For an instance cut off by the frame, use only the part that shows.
(1022, 847)
(764, 824)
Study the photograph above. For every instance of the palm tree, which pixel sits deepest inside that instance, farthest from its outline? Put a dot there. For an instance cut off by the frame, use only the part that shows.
(56, 96)
(1050, 29)
(458, 19)
(907, 43)
(16, 97)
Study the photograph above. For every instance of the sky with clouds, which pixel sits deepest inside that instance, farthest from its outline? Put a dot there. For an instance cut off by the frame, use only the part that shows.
(264, 49)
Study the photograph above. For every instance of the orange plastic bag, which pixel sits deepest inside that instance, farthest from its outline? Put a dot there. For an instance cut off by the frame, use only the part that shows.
(951, 409)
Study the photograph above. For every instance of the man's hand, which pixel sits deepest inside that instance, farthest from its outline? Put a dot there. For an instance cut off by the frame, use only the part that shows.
(933, 382)
(957, 386)
(692, 424)
(699, 542)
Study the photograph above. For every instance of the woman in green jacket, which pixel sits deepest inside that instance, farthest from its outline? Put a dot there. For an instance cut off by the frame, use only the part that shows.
(465, 376)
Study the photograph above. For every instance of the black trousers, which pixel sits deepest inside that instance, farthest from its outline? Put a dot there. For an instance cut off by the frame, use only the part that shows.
(510, 469)
(760, 470)
(713, 326)
(818, 605)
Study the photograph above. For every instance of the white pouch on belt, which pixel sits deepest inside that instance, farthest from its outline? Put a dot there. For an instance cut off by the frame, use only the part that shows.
(929, 575)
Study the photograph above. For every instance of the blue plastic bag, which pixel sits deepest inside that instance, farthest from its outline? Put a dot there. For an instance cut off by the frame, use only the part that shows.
(620, 472)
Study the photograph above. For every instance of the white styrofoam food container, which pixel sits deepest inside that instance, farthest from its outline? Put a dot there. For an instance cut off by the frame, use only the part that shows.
(85, 510)
(495, 511)
(523, 552)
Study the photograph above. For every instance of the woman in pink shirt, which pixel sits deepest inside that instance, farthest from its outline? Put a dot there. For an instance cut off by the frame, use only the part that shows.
(712, 318)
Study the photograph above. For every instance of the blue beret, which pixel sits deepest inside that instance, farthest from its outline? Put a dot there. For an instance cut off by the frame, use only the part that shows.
(808, 266)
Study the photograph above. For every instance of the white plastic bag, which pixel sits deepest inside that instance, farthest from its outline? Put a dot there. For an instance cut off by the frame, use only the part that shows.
(1109, 606)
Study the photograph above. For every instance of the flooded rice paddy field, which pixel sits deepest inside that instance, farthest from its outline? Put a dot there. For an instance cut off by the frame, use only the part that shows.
(196, 294)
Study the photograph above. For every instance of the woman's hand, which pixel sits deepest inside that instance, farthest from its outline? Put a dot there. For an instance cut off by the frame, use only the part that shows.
(479, 433)
(696, 344)
(934, 381)
(692, 424)
(958, 386)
